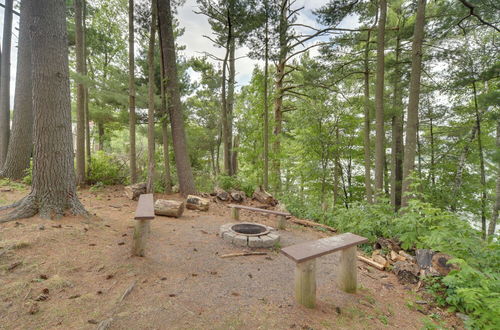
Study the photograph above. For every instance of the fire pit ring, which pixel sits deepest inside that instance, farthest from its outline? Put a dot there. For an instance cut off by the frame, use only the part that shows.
(248, 234)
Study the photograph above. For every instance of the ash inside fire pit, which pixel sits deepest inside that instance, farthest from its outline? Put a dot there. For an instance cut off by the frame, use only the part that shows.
(250, 229)
(249, 234)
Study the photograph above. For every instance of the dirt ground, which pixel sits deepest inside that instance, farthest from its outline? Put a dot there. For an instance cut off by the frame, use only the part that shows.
(71, 274)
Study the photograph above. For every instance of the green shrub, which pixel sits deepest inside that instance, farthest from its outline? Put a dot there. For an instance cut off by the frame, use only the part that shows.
(228, 183)
(106, 169)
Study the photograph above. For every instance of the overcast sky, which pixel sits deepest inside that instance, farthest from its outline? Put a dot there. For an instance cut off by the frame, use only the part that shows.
(195, 27)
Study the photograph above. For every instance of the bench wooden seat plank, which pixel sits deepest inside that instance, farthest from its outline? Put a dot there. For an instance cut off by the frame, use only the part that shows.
(145, 208)
(314, 249)
(258, 209)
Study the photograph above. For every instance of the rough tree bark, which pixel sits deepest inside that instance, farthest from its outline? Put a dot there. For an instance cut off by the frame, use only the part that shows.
(80, 95)
(131, 86)
(151, 101)
(184, 171)
(230, 104)
(225, 116)
(5, 82)
(366, 128)
(397, 133)
(53, 190)
(414, 97)
(265, 179)
(481, 162)
(165, 134)
(21, 144)
(379, 102)
(88, 156)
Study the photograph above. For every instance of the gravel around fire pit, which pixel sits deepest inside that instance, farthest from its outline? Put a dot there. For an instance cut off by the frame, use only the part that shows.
(247, 234)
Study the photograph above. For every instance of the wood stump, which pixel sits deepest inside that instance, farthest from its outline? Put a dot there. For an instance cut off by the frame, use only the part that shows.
(197, 203)
(141, 232)
(169, 208)
(222, 194)
(238, 196)
(348, 270)
(135, 190)
(264, 197)
(235, 214)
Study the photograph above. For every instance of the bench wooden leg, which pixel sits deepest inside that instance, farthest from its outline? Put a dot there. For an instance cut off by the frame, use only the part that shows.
(281, 222)
(141, 232)
(305, 283)
(348, 270)
(235, 214)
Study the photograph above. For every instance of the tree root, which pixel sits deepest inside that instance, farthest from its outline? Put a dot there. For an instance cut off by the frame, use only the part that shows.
(28, 207)
(19, 202)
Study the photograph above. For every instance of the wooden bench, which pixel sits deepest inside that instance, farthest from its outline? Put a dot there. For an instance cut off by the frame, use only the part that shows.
(143, 214)
(235, 213)
(305, 255)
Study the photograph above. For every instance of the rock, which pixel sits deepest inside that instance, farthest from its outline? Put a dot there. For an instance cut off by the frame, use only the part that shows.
(440, 264)
(169, 208)
(134, 191)
(197, 203)
(238, 196)
(41, 227)
(424, 258)
(222, 194)
(406, 272)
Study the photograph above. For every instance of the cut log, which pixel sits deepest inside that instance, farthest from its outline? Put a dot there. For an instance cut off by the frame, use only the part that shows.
(424, 258)
(440, 263)
(406, 272)
(238, 196)
(371, 263)
(313, 224)
(169, 208)
(407, 256)
(379, 259)
(222, 194)
(197, 203)
(387, 243)
(134, 191)
(264, 197)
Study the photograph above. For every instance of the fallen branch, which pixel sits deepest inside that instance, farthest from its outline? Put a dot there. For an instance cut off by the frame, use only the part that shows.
(127, 292)
(313, 224)
(371, 263)
(105, 324)
(243, 254)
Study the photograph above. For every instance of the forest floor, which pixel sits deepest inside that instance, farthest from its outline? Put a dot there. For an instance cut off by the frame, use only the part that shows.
(71, 273)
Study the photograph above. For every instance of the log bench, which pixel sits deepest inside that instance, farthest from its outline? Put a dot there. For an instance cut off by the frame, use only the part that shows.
(144, 213)
(235, 213)
(305, 254)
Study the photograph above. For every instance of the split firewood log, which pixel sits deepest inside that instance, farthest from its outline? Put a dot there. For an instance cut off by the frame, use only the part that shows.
(222, 194)
(238, 196)
(197, 203)
(169, 208)
(135, 190)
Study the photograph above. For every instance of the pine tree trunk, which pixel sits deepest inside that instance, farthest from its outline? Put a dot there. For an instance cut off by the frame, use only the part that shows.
(265, 179)
(164, 131)
(184, 171)
(481, 163)
(496, 206)
(414, 97)
(131, 86)
(21, 140)
(457, 184)
(379, 102)
(367, 129)
(53, 190)
(100, 135)
(225, 116)
(397, 134)
(88, 155)
(80, 95)
(230, 102)
(151, 101)
(5, 83)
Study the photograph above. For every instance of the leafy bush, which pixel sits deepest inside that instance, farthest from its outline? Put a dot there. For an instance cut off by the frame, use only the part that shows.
(227, 183)
(106, 169)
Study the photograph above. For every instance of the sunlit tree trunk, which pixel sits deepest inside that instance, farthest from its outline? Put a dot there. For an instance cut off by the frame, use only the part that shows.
(367, 121)
(131, 86)
(5, 82)
(496, 206)
(21, 144)
(151, 101)
(167, 41)
(481, 162)
(379, 101)
(414, 97)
